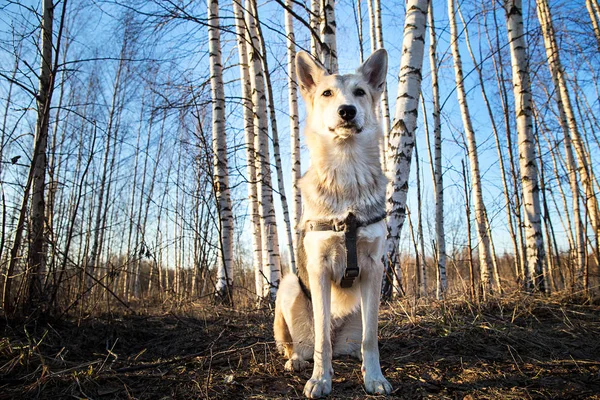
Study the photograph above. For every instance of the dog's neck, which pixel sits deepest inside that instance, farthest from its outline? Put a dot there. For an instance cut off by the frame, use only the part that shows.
(344, 176)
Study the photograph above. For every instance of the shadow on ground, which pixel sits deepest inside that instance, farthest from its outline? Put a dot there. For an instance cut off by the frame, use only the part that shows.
(521, 349)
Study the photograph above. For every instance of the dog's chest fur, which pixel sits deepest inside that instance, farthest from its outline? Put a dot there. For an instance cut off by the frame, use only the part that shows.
(345, 180)
(340, 181)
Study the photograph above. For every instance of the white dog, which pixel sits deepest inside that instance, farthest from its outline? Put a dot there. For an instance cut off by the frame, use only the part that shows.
(331, 307)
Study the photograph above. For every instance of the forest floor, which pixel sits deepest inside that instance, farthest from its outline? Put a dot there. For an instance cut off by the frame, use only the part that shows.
(520, 348)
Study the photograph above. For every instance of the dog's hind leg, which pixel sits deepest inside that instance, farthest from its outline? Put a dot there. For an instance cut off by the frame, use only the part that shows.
(348, 337)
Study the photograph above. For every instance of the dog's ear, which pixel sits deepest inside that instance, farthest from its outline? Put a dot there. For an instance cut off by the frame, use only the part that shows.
(309, 73)
(374, 69)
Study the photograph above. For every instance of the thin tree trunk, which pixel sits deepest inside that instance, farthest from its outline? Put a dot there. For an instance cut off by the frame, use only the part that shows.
(270, 246)
(467, 190)
(328, 36)
(527, 152)
(315, 37)
(402, 134)
(572, 135)
(593, 8)
(276, 274)
(438, 176)
(295, 123)
(357, 8)
(243, 40)
(485, 256)
(422, 270)
(221, 174)
(37, 256)
(520, 252)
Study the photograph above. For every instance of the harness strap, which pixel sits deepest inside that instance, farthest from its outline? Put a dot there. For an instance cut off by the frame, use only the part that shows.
(350, 227)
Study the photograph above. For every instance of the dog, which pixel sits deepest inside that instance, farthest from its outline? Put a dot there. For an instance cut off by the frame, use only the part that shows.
(331, 306)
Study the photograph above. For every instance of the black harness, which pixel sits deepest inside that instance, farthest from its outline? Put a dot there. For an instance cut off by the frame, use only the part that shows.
(349, 226)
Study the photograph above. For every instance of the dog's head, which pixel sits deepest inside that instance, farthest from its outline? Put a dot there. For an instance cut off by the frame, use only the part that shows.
(342, 106)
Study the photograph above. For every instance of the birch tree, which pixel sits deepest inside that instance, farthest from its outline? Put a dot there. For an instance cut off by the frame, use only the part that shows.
(37, 258)
(402, 133)
(527, 148)
(438, 176)
(270, 245)
(294, 124)
(221, 175)
(376, 34)
(593, 9)
(243, 41)
(485, 256)
(569, 126)
(315, 36)
(276, 150)
(328, 36)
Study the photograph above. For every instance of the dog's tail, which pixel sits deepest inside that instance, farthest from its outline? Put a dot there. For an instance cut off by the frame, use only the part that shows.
(283, 338)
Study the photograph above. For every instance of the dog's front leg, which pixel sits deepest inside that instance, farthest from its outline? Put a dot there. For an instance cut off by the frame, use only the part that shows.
(370, 286)
(320, 285)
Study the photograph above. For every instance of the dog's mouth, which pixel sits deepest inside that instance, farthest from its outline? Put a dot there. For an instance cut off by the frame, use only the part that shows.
(346, 129)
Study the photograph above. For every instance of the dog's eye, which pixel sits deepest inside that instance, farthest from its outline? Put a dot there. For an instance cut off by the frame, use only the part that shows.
(359, 92)
(327, 93)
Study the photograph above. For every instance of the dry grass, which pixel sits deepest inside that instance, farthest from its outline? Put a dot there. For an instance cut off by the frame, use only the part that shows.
(521, 347)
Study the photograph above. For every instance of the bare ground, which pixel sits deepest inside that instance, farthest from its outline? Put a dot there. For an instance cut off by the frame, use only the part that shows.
(508, 348)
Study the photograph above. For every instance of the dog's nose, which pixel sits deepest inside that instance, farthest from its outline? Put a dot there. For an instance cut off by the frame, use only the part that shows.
(347, 112)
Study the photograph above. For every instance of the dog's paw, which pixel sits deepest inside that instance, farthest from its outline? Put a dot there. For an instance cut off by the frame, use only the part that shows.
(317, 388)
(292, 365)
(377, 385)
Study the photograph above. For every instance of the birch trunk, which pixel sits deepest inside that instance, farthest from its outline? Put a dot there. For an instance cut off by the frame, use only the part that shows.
(357, 7)
(385, 102)
(295, 124)
(422, 270)
(485, 256)
(328, 36)
(219, 143)
(527, 151)
(438, 177)
(571, 131)
(402, 134)
(37, 256)
(315, 37)
(376, 34)
(467, 191)
(513, 203)
(270, 246)
(249, 135)
(593, 8)
(275, 273)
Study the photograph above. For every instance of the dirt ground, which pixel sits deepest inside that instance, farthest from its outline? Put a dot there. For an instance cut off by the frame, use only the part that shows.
(523, 348)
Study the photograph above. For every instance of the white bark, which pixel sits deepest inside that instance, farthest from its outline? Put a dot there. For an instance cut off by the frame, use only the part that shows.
(219, 142)
(270, 245)
(385, 103)
(275, 274)
(594, 12)
(438, 177)
(572, 135)
(515, 235)
(328, 36)
(315, 37)
(422, 265)
(402, 139)
(527, 152)
(243, 41)
(294, 125)
(359, 23)
(37, 258)
(485, 256)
